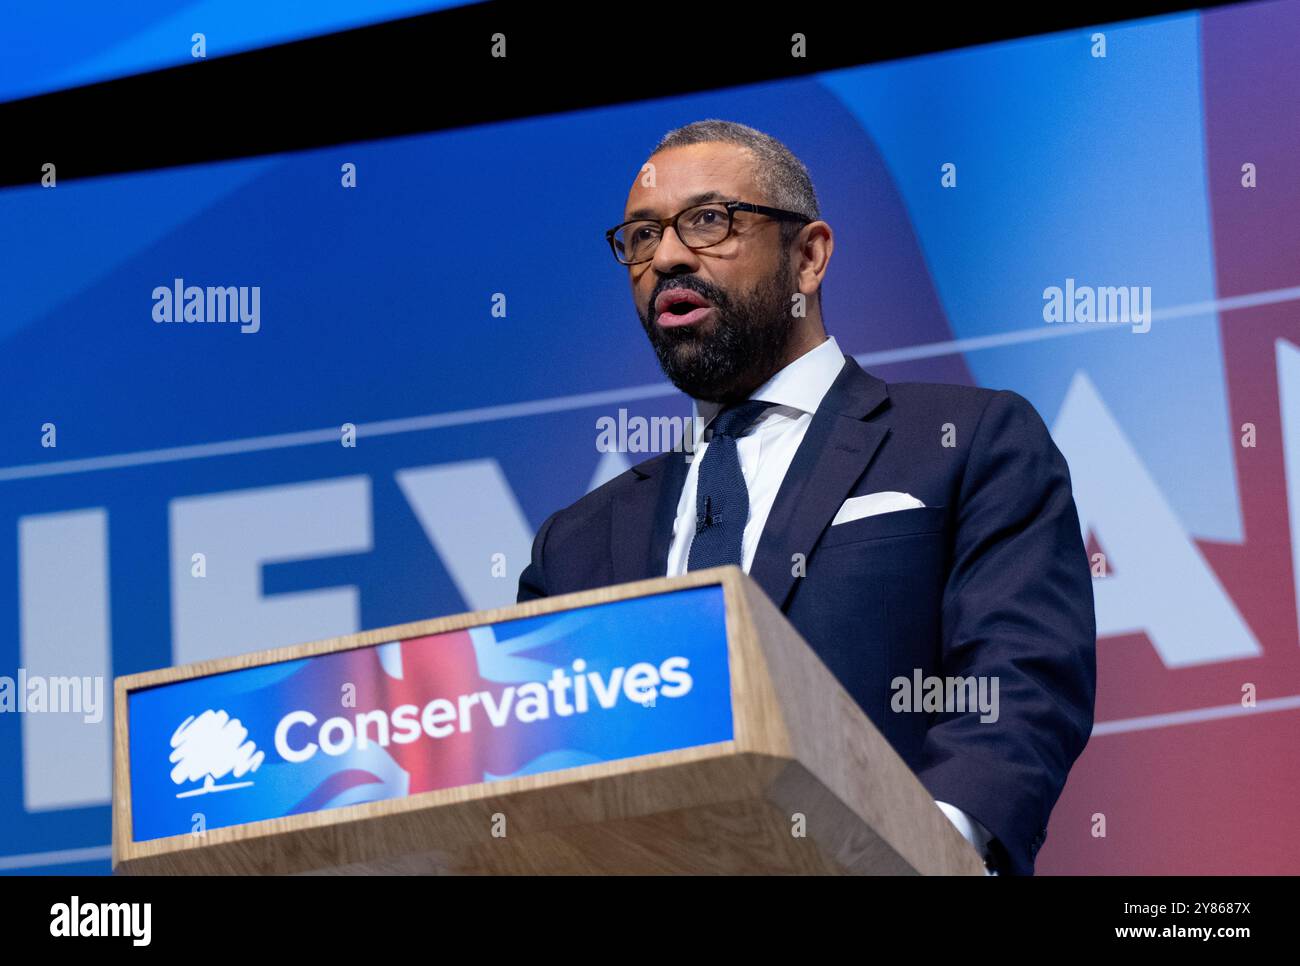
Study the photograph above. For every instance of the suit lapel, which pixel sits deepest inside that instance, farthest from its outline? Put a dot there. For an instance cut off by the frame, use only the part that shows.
(832, 457)
(642, 528)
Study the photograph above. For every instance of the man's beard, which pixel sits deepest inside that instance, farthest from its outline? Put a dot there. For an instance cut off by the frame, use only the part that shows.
(727, 358)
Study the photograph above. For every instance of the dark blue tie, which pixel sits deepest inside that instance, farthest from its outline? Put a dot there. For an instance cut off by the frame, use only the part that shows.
(722, 499)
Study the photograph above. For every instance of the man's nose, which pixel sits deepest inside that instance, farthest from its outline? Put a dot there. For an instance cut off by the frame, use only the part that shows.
(672, 252)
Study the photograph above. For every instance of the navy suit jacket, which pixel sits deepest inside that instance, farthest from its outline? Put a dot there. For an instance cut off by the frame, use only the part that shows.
(990, 578)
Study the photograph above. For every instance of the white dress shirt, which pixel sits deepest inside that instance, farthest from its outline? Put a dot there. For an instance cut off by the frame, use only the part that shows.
(765, 454)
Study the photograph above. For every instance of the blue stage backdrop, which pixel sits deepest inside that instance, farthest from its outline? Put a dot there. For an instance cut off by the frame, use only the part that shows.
(50, 46)
(460, 309)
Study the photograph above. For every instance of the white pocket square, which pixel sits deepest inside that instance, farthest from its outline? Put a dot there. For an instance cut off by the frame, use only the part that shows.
(856, 507)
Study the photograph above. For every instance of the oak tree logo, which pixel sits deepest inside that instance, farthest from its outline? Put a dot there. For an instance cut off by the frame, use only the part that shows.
(211, 747)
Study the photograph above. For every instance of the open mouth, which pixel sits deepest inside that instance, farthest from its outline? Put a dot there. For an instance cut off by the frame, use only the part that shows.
(681, 307)
(683, 313)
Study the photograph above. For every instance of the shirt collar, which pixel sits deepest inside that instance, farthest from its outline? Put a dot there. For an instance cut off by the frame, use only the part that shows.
(800, 385)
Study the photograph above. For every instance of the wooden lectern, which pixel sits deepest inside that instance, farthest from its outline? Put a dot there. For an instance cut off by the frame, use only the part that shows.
(806, 783)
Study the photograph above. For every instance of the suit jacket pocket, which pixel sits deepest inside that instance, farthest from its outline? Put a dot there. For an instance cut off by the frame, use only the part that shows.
(895, 523)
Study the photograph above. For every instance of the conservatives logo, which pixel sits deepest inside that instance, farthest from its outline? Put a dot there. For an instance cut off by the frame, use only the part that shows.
(211, 747)
(528, 702)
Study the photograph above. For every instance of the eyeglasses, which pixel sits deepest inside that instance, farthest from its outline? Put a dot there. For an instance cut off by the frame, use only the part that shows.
(700, 226)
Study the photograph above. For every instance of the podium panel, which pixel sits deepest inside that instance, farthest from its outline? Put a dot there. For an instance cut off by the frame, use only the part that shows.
(676, 725)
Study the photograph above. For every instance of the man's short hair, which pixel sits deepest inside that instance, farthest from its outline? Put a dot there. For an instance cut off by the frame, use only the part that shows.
(779, 175)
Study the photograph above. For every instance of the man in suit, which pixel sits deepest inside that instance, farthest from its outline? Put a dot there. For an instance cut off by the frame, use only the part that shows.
(906, 530)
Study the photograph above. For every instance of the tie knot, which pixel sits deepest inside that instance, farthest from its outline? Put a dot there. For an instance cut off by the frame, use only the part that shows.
(735, 420)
